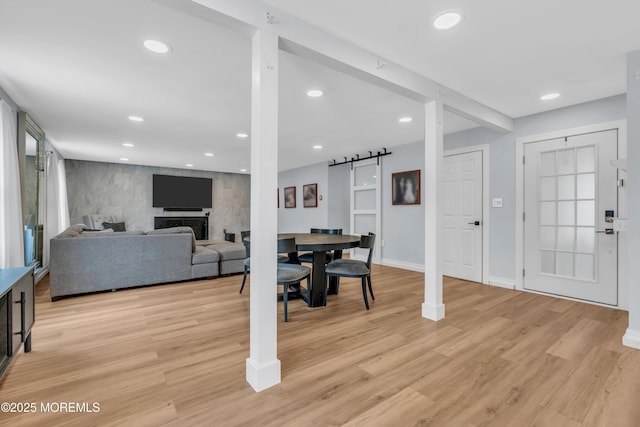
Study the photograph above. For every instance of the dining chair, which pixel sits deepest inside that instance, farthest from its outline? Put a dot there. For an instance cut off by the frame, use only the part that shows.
(247, 260)
(291, 274)
(354, 268)
(308, 256)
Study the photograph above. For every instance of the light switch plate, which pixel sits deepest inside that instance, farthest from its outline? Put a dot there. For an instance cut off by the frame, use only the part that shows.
(497, 203)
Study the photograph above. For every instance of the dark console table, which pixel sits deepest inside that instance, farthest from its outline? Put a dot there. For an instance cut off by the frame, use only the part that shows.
(17, 312)
(199, 224)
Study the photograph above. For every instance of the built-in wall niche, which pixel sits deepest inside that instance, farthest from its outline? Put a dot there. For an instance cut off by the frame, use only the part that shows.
(31, 150)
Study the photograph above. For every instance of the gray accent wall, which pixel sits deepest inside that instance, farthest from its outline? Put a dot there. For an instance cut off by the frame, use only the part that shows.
(126, 191)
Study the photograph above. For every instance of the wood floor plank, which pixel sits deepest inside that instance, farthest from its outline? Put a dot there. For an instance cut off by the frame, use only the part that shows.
(175, 355)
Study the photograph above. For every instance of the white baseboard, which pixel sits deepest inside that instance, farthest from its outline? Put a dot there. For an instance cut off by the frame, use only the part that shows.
(433, 312)
(41, 273)
(263, 377)
(631, 339)
(403, 265)
(502, 282)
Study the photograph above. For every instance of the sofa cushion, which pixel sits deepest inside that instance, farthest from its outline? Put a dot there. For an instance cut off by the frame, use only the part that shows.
(229, 251)
(115, 226)
(90, 232)
(177, 230)
(204, 255)
(72, 231)
(108, 232)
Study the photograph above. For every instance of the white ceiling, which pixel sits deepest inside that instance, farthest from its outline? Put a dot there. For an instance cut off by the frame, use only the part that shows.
(505, 54)
(79, 69)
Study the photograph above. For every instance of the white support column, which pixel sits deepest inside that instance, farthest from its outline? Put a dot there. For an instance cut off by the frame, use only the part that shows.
(632, 337)
(433, 308)
(263, 366)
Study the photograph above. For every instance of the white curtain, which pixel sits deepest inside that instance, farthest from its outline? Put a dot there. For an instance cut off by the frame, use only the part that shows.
(11, 233)
(57, 219)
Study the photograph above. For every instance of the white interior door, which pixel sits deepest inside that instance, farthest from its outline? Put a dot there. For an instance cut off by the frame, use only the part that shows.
(569, 184)
(462, 216)
(365, 205)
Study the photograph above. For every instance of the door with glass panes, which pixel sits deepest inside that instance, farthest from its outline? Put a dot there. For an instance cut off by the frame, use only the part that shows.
(569, 185)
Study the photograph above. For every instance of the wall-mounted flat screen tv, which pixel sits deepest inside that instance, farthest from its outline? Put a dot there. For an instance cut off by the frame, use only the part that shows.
(181, 192)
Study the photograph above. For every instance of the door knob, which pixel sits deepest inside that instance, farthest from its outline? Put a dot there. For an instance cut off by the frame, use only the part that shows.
(606, 231)
(474, 223)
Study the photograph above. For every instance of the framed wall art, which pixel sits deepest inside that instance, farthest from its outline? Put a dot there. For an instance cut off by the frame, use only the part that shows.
(290, 197)
(405, 188)
(310, 195)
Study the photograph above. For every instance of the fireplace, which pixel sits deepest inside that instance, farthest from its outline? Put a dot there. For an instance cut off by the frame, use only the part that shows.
(199, 224)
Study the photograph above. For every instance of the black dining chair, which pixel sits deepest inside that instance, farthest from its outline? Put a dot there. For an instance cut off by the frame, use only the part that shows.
(289, 258)
(291, 274)
(354, 268)
(308, 256)
(247, 260)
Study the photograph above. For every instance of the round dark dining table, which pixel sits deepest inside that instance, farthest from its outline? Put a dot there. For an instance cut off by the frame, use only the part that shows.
(319, 244)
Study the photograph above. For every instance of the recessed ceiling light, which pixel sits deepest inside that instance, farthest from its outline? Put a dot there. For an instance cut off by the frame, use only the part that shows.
(124, 159)
(127, 144)
(242, 135)
(189, 165)
(549, 96)
(447, 20)
(317, 147)
(243, 170)
(156, 46)
(208, 154)
(136, 119)
(314, 93)
(405, 119)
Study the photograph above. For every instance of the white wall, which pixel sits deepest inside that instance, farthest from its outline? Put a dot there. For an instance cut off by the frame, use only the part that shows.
(502, 161)
(301, 219)
(6, 98)
(633, 149)
(403, 225)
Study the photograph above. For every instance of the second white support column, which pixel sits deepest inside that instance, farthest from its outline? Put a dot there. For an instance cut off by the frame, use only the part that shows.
(433, 308)
(263, 366)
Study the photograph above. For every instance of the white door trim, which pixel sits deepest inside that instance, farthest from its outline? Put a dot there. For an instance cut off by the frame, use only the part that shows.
(485, 201)
(621, 126)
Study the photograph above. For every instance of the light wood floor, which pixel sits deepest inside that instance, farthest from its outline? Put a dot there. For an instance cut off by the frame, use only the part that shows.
(175, 355)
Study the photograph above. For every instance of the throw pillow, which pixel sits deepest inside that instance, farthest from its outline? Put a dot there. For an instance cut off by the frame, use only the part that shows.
(116, 226)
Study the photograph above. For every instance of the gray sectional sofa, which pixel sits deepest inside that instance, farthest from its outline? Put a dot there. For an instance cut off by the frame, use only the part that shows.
(83, 261)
